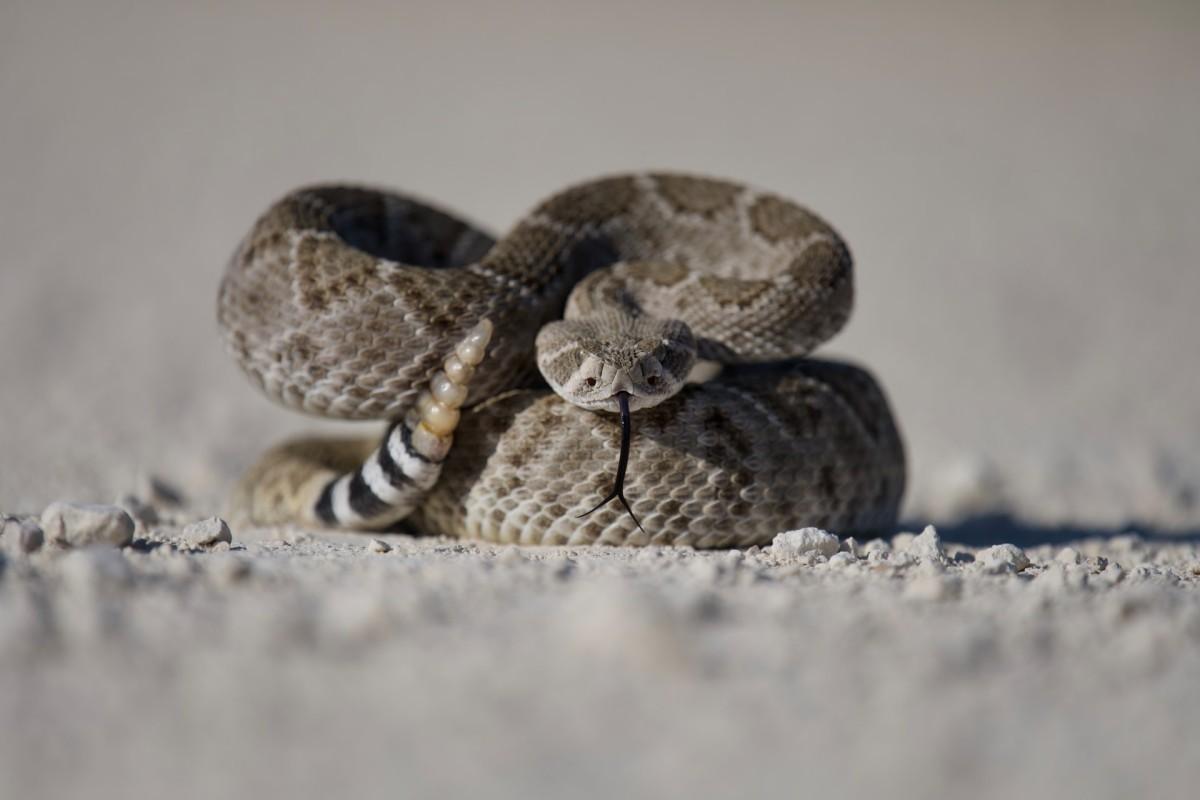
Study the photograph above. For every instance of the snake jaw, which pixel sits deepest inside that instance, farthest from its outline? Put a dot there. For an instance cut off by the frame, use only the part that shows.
(618, 490)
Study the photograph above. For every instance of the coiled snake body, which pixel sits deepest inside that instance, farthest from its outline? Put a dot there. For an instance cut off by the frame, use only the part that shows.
(362, 304)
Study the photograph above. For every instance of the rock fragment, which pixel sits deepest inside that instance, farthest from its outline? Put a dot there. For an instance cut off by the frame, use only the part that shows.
(207, 532)
(841, 560)
(927, 547)
(1003, 558)
(805, 540)
(1112, 574)
(86, 524)
(379, 546)
(876, 549)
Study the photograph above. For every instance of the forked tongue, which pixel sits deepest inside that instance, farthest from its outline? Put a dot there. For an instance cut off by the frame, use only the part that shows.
(618, 490)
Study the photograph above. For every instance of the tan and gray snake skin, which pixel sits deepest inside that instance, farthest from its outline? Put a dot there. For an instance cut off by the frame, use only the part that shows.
(362, 304)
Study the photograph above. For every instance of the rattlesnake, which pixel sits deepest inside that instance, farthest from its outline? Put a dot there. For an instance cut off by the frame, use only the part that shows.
(363, 304)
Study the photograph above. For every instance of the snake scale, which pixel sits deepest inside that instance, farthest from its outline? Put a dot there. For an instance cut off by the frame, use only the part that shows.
(640, 339)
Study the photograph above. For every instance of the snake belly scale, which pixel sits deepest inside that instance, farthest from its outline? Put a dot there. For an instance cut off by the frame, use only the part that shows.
(500, 364)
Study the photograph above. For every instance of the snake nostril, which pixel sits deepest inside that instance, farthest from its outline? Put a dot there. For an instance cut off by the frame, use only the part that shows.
(589, 382)
(652, 380)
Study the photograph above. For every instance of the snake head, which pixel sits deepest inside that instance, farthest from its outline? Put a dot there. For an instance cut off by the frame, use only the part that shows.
(589, 361)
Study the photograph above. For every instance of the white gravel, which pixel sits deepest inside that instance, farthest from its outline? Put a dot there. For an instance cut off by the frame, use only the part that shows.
(83, 524)
(805, 540)
(599, 672)
(1003, 558)
(207, 532)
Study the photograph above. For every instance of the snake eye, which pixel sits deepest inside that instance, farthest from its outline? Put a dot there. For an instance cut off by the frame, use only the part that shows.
(590, 382)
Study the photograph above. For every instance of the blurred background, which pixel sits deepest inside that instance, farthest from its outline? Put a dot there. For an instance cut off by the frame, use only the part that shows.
(1019, 182)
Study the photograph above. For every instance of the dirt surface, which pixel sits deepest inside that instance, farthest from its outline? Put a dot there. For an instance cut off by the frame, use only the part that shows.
(296, 666)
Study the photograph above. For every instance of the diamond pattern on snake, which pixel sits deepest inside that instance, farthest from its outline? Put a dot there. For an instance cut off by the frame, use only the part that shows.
(628, 365)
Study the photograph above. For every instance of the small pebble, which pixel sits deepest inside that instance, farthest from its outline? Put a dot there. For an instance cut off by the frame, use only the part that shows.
(927, 547)
(841, 560)
(851, 545)
(380, 546)
(23, 535)
(84, 524)
(1003, 558)
(207, 532)
(1068, 555)
(876, 546)
(805, 540)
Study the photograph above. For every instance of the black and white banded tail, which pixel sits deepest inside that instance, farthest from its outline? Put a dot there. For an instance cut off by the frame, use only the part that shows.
(386, 488)
(392, 481)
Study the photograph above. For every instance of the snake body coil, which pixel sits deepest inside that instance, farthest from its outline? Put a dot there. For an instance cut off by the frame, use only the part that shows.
(361, 304)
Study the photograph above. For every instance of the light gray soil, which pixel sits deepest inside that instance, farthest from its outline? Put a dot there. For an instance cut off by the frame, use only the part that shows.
(294, 665)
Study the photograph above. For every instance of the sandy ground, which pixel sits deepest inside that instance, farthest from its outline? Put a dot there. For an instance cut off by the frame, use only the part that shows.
(294, 666)
(1019, 184)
